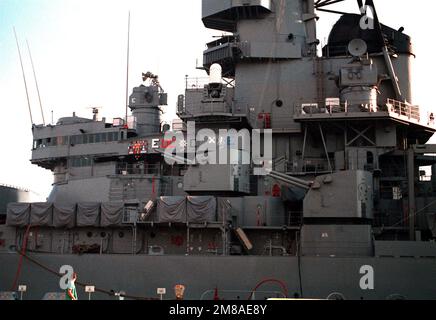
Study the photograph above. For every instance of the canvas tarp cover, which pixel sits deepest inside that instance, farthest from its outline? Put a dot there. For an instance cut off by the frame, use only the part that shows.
(64, 215)
(41, 214)
(201, 209)
(18, 214)
(88, 214)
(111, 214)
(171, 209)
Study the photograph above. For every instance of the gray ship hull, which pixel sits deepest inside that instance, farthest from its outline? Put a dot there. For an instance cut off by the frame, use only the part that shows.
(235, 277)
(318, 187)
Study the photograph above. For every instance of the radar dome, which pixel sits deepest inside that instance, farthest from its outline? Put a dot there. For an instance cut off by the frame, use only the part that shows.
(215, 73)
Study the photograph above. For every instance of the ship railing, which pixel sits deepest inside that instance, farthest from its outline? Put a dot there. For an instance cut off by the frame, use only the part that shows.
(270, 248)
(14, 187)
(335, 51)
(280, 163)
(137, 169)
(214, 108)
(221, 51)
(404, 109)
(314, 108)
(208, 107)
(393, 107)
(381, 220)
(313, 166)
(198, 83)
(222, 40)
(303, 109)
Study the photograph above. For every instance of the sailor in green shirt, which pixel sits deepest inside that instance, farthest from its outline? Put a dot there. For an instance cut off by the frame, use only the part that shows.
(71, 293)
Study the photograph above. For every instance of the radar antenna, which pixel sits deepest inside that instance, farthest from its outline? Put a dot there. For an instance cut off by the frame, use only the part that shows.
(95, 112)
(153, 78)
(357, 47)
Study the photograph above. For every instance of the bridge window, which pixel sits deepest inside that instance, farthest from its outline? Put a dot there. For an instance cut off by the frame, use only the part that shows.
(37, 144)
(80, 162)
(112, 136)
(77, 139)
(61, 141)
(74, 140)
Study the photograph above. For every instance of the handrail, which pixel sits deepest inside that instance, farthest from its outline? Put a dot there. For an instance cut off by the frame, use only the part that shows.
(320, 166)
(14, 187)
(221, 107)
(198, 83)
(403, 109)
(393, 107)
(137, 169)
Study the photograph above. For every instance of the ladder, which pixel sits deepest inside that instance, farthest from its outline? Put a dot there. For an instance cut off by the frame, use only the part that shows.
(320, 86)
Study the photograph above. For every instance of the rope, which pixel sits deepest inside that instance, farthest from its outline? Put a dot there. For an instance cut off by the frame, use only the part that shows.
(280, 283)
(20, 261)
(417, 213)
(57, 274)
(300, 279)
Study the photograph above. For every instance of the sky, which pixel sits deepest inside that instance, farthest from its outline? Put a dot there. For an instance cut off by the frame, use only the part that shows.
(79, 51)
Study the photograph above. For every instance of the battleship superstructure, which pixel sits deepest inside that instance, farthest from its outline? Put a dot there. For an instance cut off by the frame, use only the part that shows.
(345, 211)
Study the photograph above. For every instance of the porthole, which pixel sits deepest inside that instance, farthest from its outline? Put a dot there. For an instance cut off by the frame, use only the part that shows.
(279, 103)
(89, 234)
(121, 234)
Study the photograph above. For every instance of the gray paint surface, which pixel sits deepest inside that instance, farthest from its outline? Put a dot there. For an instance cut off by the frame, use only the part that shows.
(320, 276)
(351, 156)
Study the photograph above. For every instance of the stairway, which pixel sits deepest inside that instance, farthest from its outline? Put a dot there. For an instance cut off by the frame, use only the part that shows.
(320, 86)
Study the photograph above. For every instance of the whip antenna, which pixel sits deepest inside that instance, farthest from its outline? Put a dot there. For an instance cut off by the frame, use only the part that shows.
(36, 82)
(128, 67)
(24, 78)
